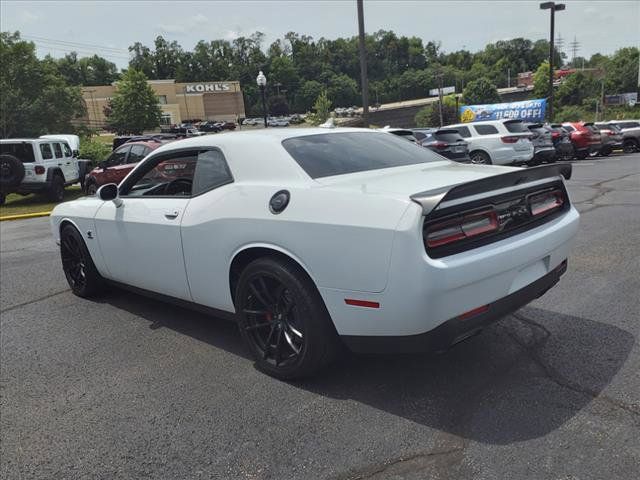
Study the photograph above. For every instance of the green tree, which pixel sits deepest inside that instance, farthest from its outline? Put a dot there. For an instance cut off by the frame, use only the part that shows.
(479, 92)
(576, 88)
(541, 81)
(307, 95)
(278, 105)
(35, 98)
(134, 107)
(321, 109)
(343, 90)
(429, 116)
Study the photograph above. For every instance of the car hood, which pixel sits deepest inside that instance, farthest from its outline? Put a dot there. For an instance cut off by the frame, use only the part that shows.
(406, 181)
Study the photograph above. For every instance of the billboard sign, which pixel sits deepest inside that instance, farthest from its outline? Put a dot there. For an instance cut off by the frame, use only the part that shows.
(207, 87)
(622, 99)
(445, 91)
(528, 110)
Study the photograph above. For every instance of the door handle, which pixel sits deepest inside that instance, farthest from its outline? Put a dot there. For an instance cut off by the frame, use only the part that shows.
(59, 164)
(68, 163)
(172, 214)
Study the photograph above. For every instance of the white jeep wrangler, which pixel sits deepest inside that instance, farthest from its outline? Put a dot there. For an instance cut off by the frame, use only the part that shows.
(38, 165)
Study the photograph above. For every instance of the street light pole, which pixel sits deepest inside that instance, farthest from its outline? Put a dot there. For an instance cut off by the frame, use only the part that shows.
(261, 80)
(553, 7)
(363, 66)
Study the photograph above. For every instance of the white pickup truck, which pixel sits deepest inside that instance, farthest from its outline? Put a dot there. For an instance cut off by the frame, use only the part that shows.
(39, 165)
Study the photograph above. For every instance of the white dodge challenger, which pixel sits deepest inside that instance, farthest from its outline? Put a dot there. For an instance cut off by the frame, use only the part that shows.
(313, 238)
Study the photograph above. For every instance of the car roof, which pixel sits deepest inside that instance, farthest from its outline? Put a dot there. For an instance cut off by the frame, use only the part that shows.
(38, 140)
(258, 155)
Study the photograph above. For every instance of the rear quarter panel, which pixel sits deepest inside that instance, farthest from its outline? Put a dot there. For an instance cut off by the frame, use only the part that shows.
(343, 240)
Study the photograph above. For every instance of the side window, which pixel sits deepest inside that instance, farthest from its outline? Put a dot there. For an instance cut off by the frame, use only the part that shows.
(167, 175)
(181, 174)
(464, 131)
(118, 157)
(485, 129)
(67, 150)
(568, 128)
(45, 150)
(211, 171)
(58, 149)
(137, 153)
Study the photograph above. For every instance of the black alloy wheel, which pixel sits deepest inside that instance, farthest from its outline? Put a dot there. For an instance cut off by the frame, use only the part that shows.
(283, 319)
(92, 188)
(78, 267)
(272, 321)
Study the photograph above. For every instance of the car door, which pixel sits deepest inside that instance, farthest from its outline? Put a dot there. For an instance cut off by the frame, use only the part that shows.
(63, 162)
(135, 154)
(140, 239)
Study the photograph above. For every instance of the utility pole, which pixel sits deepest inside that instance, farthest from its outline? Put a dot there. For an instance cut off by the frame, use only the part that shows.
(508, 78)
(552, 7)
(440, 98)
(364, 82)
(575, 47)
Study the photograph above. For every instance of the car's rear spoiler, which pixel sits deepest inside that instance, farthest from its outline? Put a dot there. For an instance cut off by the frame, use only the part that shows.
(430, 199)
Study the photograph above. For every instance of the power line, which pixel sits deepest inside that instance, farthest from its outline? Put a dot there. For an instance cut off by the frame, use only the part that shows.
(76, 44)
(54, 48)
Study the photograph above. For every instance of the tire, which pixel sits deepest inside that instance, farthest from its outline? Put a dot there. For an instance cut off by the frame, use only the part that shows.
(55, 193)
(480, 157)
(582, 155)
(283, 319)
(92, 188)
(11, 171)
(79, 269)
(630, 145)
(605, 151)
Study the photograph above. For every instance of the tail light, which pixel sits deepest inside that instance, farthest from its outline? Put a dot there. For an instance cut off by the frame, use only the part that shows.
(461, 228)
(439, 145)
(555, 134)
(547, 202)
(39, 169)
(510, 139)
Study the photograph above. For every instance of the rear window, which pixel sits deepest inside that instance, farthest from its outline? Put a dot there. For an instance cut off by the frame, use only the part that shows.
(464, 132)
(448, 137)
(568, 128)
(515, 127)
(328, 154)
(485, 129)
(22, 151)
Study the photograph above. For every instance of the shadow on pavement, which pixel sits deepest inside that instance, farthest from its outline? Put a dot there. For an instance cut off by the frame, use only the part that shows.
(520, 379)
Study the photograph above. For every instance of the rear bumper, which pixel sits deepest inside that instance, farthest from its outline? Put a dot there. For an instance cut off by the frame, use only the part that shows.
(457, 329)
(545, 154)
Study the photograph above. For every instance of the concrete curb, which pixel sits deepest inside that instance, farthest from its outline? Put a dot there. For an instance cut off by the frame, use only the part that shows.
(25, 215)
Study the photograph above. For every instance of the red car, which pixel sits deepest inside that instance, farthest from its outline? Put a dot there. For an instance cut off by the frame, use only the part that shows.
(585, 138)
(119, 163)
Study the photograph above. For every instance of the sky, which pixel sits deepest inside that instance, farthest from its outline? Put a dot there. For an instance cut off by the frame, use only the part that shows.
(107, 28)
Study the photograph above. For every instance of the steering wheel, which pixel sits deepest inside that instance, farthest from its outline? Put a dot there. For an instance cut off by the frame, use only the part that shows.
(179, 185)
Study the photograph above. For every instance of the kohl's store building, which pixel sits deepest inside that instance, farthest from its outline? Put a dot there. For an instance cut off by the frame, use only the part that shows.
(178, 101)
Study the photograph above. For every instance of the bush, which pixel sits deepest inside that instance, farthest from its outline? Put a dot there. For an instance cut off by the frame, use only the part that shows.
(94, 149)
(321, 109)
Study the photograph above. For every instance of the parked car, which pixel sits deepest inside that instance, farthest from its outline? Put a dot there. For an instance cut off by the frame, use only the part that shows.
(543, 148)
(121, 161)
(446, 142)
(499, 142)
(37, 165)
(585, 138)
(561, 141)
(309, 238)
(400, 132)
(209, 127)
(611, 138)
(277, 122)
(252, 121)
(630, 134)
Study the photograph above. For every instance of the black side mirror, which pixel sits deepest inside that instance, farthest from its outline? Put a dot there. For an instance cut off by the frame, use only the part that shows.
(103, 165)
(109, 192)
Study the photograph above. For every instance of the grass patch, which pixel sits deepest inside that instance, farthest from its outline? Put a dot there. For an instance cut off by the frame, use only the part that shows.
(16, 204)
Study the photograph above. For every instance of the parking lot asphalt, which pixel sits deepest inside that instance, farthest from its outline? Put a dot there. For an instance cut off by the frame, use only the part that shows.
(126, 387)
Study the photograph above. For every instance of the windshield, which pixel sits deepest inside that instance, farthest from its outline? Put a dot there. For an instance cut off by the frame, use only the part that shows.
(324, 155)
